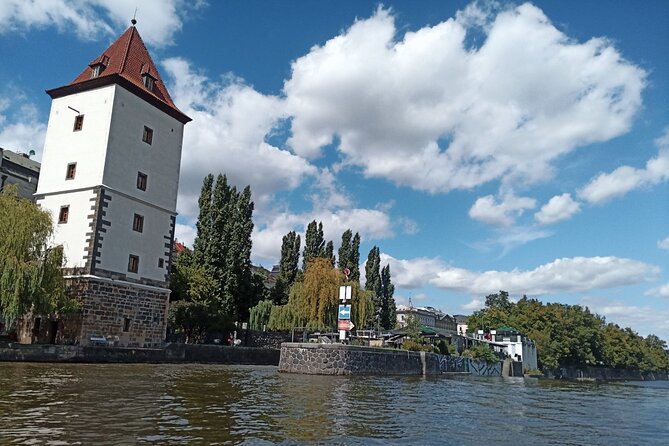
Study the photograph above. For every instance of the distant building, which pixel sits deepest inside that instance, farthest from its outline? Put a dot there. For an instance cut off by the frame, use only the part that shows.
(513, 343)
(461, 321)
(428, 316)
(19, 169)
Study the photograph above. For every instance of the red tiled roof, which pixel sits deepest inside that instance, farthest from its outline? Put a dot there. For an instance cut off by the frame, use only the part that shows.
(179, 247)
(127, 60)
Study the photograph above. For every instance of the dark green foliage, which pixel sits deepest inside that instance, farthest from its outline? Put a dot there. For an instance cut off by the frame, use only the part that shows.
(191, 318)
(481, 352)
(349, 254)
(314, 243)
(570, 335)
(223, 246)
(373, 277)
(387, 317)
(288, 268)
(329, 253)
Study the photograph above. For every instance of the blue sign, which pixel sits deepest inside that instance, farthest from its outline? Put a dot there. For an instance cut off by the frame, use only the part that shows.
(344, 312)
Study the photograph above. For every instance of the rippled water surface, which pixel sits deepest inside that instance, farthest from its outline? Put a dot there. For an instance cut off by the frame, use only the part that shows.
(214, 404)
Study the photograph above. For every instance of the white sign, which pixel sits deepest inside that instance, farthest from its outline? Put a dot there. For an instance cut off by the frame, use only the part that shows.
(345, 293)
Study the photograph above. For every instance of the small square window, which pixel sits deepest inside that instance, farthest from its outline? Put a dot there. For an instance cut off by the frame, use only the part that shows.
(126, 325)
(63, 214)
(147, 136)
(141, 181)
(96, 70)
(161, 263)
(78, 123)
(71, 171)
(133, 263)
(138, 223)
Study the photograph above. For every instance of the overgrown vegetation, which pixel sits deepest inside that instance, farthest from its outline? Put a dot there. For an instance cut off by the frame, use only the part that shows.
(570, 335)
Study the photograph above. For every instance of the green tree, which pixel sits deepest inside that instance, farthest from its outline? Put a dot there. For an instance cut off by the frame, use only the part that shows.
(223, 245)
(349, 254)
(31, 279)
(288, 267)
(481, 352)
(329, 253)
(314, 243)
(260, 314)
(373, 277)
(387, 314)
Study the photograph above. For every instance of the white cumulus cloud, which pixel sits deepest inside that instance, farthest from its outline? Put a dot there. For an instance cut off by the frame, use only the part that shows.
(663, 244)
(20, 127)
(227, 135)
(427, 110)
(158, 20)
(558, 208)
(565, 275)
(503, 213)
(661, 291)
(624, 179)
(575, 274)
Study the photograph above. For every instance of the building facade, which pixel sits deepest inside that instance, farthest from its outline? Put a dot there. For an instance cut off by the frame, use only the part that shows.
(110, 175)
(19, 169)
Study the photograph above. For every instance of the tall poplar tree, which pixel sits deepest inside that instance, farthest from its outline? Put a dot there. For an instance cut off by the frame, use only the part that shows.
(387, 315)
(373, 277)
(223, 244)
(314, 243)
(288, 267)
(349, 254)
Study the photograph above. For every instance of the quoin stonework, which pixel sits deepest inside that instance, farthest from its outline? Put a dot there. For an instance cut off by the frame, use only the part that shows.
(110, 175)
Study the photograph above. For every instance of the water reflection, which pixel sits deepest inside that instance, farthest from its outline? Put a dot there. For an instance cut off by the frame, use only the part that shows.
(204, 404)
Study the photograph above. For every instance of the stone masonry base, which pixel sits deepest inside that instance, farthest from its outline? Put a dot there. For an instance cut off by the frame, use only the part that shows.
(125, 314)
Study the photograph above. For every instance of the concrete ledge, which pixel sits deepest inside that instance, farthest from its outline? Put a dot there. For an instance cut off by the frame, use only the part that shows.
(173, 353)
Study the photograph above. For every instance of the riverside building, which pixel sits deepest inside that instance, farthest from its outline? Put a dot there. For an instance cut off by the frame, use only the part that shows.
(110, 175)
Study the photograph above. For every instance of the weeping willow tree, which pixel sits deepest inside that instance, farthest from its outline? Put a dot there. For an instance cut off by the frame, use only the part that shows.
(31, 279)
(314, 301)
(260, 314)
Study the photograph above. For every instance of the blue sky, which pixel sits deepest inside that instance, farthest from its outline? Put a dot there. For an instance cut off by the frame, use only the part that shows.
(481, 146)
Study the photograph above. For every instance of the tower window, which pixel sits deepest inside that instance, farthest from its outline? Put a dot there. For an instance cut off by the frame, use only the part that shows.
(141, 181)
(161, 263)
(71, 171)
(63, 214)
(126, 325)
(133, 263)
(96, 70)
(78, 123)
(147, 136)
(148, 82)
(138, 223)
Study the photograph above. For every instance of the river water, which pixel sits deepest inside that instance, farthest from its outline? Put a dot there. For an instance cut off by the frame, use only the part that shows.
(122, 404)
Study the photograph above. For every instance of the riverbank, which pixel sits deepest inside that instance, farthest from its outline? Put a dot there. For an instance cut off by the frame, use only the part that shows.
(172, 353)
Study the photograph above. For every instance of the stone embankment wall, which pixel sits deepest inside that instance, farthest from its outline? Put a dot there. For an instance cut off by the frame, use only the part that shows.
(174, 353)
(338, 359)
(604, 373)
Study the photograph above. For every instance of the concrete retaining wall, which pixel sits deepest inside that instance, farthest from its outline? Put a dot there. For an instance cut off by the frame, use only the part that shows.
(338, 359)
(173, 353)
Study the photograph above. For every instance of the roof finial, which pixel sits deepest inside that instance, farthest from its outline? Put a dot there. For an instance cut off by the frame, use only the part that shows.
(134, 20)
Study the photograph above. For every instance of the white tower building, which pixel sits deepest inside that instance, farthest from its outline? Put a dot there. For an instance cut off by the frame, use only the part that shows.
(110, 174)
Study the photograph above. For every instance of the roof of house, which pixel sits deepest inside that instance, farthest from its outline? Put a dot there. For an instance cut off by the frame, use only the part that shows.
(126, 62)
(20, 159)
